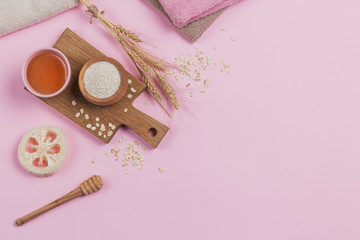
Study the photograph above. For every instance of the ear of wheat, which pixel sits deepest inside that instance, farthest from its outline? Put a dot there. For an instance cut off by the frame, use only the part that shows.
(152, 70)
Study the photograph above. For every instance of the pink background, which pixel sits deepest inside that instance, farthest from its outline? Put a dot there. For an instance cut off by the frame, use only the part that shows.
(269, 152)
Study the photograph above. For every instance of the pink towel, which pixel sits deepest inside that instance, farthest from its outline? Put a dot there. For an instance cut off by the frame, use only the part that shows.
(194, 29)
(182, 12)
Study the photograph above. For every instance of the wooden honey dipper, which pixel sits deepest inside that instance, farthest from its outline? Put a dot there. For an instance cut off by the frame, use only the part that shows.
(89, 186)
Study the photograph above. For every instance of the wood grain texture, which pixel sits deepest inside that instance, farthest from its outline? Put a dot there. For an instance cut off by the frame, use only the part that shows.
(78, 51)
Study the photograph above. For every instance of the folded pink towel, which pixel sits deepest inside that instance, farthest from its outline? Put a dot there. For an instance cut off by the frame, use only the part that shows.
(182, 12)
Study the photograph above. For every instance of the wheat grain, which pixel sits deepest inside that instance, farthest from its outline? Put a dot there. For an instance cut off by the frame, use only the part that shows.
(128, 33)
(168, 89)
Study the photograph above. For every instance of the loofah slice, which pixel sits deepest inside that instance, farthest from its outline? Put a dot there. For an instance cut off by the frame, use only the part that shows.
(42, 150)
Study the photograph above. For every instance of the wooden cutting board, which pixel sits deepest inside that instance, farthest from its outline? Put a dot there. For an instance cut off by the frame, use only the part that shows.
(102, 122)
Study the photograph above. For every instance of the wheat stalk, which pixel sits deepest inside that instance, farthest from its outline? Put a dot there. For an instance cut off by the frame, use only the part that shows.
(168, 89)
(151, 69)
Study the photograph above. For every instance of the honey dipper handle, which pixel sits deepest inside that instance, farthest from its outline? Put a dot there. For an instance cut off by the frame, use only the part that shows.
(89, 186)
(71, 195)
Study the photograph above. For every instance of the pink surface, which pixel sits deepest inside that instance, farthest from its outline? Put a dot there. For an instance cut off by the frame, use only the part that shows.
(269, 152)
(183, 12)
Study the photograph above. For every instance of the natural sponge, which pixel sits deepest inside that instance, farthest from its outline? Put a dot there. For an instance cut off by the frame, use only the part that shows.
(42, 150)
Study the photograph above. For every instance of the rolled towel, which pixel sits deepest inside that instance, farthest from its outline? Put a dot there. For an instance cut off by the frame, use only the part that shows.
(182, 12)
(17, 14)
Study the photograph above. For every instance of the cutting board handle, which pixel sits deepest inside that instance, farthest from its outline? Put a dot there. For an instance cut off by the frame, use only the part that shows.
(149, 129)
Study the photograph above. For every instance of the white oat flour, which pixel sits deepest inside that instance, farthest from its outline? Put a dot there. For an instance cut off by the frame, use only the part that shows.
(102, 79)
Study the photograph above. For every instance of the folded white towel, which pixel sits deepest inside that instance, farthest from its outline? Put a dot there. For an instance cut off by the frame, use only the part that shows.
(17, 14)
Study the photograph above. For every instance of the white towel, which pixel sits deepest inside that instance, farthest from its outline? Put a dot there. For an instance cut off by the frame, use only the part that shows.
(17, 14)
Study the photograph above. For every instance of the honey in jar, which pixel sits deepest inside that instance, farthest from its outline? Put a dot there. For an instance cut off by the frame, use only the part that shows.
(46, 73)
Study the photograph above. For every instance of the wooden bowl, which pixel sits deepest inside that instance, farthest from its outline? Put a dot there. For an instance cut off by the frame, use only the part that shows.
(113, 98)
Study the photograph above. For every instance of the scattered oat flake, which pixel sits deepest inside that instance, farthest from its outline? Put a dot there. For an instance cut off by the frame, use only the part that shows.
(146, 101)
(202, 91)
(73, 102)
(192, 65)
(81, 110)
(191, 94)
(161, 170)
(107, 154)
(93, 160)
(132, 156)
(188, 85)
(223, 29)
(77, 115)
(143, 148)
(126, 171)
(232, 38)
